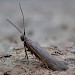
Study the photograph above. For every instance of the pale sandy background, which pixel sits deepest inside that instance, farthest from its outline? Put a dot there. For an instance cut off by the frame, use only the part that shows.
(47, 21)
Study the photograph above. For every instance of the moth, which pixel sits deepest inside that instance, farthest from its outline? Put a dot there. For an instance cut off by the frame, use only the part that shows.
(49, 61)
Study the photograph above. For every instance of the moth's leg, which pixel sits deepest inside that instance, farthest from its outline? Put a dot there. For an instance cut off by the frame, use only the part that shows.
(26, 55)
(46, 65)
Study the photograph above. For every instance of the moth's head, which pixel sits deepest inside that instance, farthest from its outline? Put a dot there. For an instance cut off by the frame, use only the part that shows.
(22, 37)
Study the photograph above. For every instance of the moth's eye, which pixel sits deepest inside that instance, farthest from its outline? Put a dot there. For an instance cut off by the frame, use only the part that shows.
(22, 37)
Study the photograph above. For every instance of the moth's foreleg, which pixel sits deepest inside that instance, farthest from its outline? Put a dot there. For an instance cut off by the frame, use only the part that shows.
(26, 55)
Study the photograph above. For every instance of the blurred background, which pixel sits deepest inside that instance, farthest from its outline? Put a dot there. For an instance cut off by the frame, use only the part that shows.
(47, 22)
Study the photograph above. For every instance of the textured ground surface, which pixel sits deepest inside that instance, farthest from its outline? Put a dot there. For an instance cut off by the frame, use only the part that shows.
(13, 63)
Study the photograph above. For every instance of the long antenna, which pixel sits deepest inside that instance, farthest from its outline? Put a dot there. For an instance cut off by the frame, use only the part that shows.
(23, 17)
(14, 25)
(26, 55)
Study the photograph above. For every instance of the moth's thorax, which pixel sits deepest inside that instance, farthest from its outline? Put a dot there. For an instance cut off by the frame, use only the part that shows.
(22, 37)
